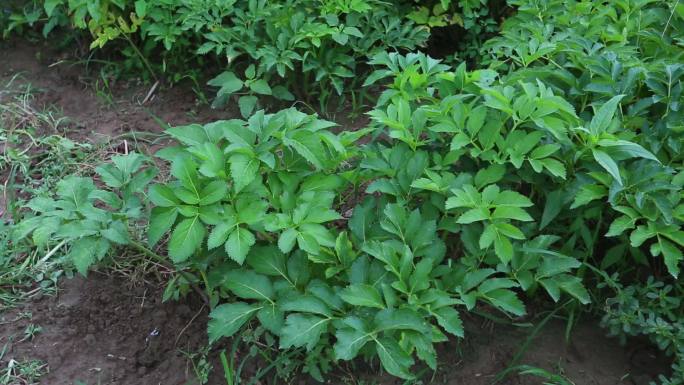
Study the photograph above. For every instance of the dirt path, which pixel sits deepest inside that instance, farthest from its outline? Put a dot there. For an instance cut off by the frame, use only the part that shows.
(115, 109)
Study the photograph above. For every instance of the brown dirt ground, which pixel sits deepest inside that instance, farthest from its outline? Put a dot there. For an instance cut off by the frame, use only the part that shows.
(97, 330)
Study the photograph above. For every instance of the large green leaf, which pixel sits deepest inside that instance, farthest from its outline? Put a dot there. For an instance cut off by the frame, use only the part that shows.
(302, 330)
(243, 170)
(186, 238)
(161, 221)
(86, 251)
(362, 295)
(226, 319)
(238, 244)
(394, 359)
(249, 285)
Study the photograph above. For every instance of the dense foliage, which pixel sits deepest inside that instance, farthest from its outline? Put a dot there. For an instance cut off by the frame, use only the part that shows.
(471, 188)
(308, 49)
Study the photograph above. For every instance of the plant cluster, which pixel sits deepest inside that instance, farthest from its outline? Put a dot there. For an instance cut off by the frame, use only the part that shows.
(313, 48)
(652, 309)
(470, 188)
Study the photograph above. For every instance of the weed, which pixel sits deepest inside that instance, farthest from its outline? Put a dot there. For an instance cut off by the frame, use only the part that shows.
(26, 372)
(31, 331)
(200, 364)
(548, 377)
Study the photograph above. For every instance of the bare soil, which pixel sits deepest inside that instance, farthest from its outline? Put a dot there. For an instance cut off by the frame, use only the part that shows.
(108, 330)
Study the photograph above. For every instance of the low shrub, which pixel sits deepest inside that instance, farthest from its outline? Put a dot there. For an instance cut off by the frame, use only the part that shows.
(470, 188)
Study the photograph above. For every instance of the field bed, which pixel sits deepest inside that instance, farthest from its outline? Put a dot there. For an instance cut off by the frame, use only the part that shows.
(98, 330)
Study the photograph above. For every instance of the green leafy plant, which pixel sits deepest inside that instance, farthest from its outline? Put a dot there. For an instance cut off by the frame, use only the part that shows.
(282, 48)
(76, 216)
(471, 190)
(652, 309)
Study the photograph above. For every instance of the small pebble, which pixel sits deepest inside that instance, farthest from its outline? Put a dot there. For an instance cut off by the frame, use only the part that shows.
(90, 339)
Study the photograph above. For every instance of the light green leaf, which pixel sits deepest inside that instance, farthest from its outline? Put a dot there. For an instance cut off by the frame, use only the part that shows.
(506, 300)
(239, 243)
(86, 251)
(249, 285)
(588, 193)
(117, 232)
(473, 215)
(503, 249)
(511, 212)
(161, 221)
(448, 318)
(604, 115)
(672, 256)
(393, 358)
(261, 87)
(226, 319)
(213, 192)
(228, 83)
(573, 286)
(244, 169)
(362, 295)
(512, 198)
(186, 238)
(302, 330)
(620, 225)
(287, 239)
(162, 196)
(608, 164)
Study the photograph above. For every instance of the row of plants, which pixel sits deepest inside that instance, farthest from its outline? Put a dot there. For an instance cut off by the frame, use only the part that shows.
(262, 51)
(533, 178)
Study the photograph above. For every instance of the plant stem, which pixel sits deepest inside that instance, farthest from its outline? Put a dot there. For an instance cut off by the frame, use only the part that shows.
(139, 246)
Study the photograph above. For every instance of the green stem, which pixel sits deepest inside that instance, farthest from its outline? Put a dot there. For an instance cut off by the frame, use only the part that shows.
(163, 261)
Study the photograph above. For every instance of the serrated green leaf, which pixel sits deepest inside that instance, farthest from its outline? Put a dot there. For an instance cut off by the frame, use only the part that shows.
(162, 196)
(608, 164)
(116, 232)
(287, 239)
(393, 358)
(672, 256)
(362, 295)
(161, 221)
(604, 115)
(226, 319)
(511, 212)
(272, 318)
(260, 86)
(348, 342)
(238, 244)
(448, 318)
(249, 285)
(243, 169)
(85, 252)
(507, 301)
(302, 330)
(305, 304)
(186, 238)
(473, 215)
(213, 192)
(228, 83)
